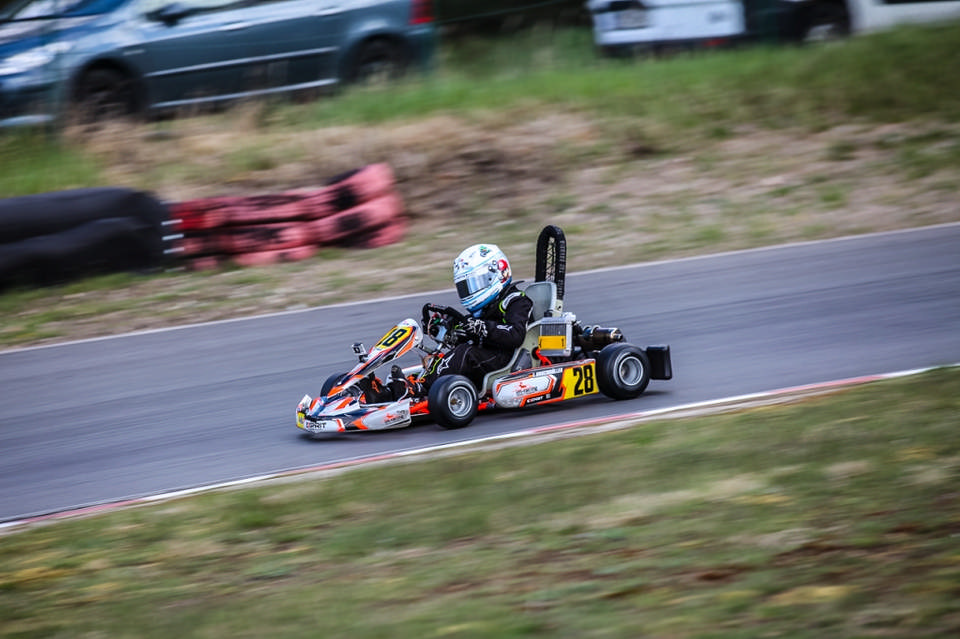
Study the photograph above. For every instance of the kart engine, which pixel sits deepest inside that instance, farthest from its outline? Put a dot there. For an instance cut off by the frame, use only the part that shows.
(593, 338)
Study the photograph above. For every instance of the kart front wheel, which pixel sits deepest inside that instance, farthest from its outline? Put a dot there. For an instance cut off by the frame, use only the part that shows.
(623, 371)
(452, 401)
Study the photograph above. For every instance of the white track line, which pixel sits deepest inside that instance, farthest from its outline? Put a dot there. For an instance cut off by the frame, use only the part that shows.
(612, 422)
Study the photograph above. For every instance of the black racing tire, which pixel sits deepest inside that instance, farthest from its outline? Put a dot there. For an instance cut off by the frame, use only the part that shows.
(104, 94)
(623, 371)
(452, 401)
(376, 62)
(329, 383)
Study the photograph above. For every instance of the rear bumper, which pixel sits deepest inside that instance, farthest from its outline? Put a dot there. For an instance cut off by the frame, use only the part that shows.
(661, 366)
(422, 43)
(622, 24)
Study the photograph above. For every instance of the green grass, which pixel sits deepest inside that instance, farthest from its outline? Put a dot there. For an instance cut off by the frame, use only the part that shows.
(887, 77)
(833, 517)
(34, 162)
(884, 77)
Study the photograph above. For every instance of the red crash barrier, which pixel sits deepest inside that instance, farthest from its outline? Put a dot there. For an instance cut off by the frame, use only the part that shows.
(358, 209)
(369, 215)
(344, 192)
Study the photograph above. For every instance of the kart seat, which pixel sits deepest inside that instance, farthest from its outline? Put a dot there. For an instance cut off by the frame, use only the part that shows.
(521, 360)
(544, 298)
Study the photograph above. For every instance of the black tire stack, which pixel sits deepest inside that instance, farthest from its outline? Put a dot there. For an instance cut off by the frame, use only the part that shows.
(55, 237)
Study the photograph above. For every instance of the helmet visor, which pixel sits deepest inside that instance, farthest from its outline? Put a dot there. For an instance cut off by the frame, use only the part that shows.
(473, 283)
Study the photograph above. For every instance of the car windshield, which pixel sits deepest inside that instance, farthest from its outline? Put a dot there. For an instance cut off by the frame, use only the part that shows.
(41, 9)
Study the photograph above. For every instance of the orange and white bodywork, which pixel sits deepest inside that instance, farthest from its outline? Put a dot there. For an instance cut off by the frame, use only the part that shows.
(342, 409)
(547, 384)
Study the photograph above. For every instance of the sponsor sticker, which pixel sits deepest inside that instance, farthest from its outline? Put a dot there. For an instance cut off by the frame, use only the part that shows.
(396, 417)
(322, 425)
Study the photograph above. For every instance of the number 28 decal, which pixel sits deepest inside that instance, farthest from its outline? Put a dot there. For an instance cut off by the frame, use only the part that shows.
(580, 380)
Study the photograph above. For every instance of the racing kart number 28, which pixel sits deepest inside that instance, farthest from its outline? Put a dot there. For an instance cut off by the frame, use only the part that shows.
(560, 360)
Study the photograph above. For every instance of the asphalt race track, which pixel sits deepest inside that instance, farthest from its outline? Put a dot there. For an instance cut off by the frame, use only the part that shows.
(104, 420)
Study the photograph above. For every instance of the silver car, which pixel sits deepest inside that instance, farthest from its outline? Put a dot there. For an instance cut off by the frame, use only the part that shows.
(140, 56)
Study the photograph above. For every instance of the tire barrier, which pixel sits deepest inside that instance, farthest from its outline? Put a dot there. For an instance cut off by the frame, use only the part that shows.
(51, 238)
(357, 209)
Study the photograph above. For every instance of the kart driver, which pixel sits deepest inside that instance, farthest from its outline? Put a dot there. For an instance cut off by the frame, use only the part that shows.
(496, 328)
(500, 312)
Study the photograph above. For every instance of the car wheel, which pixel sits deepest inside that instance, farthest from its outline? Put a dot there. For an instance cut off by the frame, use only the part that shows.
(103, 94)
(828, 21)
(377, 62)
(452, 401)
(623, 371)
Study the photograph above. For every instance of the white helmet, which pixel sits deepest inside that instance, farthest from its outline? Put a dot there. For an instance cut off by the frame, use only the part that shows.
(480, 273)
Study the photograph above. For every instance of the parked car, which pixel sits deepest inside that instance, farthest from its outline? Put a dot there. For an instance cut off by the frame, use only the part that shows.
(141, 56)
(626, 26)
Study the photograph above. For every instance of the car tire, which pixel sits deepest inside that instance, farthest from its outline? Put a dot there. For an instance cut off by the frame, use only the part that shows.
(828, 21)
(376, 62)
(104, 94)
(623, 371)
(452, 401)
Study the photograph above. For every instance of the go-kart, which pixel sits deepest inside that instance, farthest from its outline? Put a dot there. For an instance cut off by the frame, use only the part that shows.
(560, 359)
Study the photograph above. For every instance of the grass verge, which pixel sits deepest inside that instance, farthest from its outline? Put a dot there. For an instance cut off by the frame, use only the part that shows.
(834, 517)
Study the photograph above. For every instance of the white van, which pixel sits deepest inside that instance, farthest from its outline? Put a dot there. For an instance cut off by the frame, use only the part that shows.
(623, 26)
(620, 25)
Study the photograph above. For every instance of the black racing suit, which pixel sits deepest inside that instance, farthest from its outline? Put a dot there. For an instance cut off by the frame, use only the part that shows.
(501, 333)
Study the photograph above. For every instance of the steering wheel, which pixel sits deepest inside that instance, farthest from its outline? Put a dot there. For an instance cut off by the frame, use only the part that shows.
(435, 316)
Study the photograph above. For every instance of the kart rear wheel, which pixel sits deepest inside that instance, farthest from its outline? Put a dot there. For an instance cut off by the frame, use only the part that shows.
(452, 401)
(623, 371)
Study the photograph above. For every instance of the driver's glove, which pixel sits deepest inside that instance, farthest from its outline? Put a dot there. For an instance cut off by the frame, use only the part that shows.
(474, 326)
